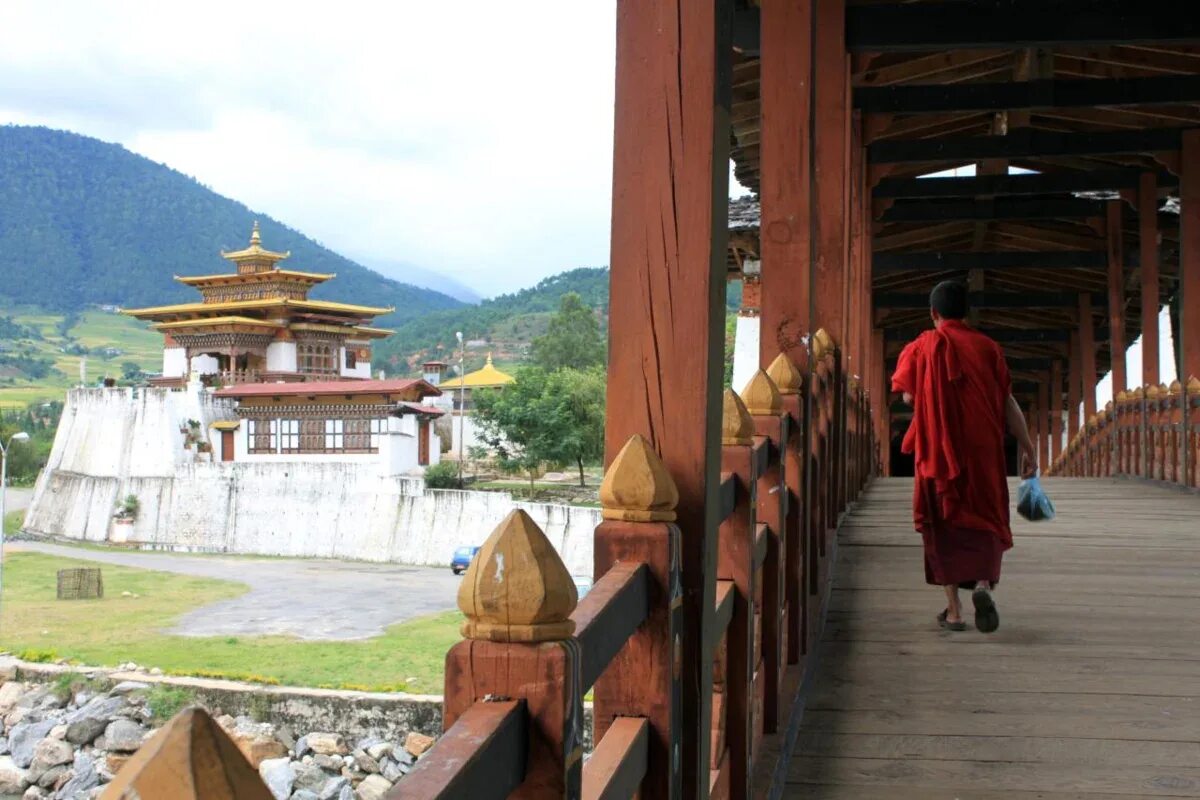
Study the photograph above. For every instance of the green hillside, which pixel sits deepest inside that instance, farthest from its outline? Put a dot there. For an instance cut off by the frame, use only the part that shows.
(84, 223)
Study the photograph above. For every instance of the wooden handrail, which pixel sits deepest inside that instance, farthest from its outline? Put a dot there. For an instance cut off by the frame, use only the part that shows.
(482, 756)
(723, 612)
(605, 619)
(762, 534)
(618, 764)
(728, 494)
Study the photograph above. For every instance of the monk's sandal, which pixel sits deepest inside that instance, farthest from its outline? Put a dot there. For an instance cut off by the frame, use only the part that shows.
(987, 617)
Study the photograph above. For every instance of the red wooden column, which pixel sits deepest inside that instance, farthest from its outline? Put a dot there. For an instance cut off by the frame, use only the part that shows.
(1087, 355)
(1056, 410)
(1148, 227)
(1074, 385)
(881, 401)
(1043, 415)
(1116, 296)
(666, 332)
(1189, 258)
(830, 184)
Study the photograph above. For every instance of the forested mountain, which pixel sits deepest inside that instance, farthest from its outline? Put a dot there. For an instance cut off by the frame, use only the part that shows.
(84, 222)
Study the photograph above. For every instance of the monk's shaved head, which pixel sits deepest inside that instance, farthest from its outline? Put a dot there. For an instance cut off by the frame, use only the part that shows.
(949, 300)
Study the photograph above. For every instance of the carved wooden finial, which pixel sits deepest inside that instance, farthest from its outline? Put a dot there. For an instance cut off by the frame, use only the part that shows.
(637, 486)
(786, 375)
(1152, 393)
(190, 758)
(1122, 396)
(1193, 385)
(823, 344)
(1175, 388)
(737, 426)
(517, 589)
(1092, 421)
(1138, 393)
(761, 395)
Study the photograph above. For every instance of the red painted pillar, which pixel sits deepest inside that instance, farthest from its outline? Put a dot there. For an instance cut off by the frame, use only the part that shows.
(831, 146)
(1148, 226)
(1189, 258)
(1044, 430)
(666, 331)
(1056, 410)
(1074, 385)
(1087, 355)
(1116, 296)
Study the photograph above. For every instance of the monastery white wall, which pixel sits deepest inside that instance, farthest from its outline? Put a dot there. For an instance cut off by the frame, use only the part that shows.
(111, 444)
(281, 357)
(745, 351)
(175, 363)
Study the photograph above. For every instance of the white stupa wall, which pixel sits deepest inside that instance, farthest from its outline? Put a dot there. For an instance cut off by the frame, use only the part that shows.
(745, 350)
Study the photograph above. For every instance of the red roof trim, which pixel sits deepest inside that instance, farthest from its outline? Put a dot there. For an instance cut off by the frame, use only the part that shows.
(423, 409)
(329, 388)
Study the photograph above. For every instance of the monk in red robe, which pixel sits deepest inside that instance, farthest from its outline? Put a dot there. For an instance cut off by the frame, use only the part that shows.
(957, 382)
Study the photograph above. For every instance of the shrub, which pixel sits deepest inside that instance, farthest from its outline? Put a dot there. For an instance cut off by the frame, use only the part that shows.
(68, 683)
(166, 701)
(39, 656)
(443, 475)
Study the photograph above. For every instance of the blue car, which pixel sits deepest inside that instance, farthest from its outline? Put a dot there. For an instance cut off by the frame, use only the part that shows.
(462, 559)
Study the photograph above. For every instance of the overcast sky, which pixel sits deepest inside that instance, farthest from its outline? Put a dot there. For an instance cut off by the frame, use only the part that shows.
(470, 137)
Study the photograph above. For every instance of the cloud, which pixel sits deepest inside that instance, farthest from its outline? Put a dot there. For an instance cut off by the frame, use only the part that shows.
(473, 138)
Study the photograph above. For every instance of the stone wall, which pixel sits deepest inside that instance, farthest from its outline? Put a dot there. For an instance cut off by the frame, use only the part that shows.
(112, 443)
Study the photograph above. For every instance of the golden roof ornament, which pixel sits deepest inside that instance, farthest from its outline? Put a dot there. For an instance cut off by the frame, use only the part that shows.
(761, 395)
(517, 588)
(255, 237)
(737, 426)
(637, 486)
(786, 375)
(824, 344)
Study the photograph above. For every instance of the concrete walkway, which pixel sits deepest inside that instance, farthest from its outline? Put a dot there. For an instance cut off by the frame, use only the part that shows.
(17, 499)
(311, 599)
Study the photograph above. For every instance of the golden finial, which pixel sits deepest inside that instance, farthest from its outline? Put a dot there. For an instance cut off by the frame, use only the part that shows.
(489, 359)
(1175, 388)
(823, 344)
(190, 757)
(255, 238)
(1092, 421)
(1152, 393)
(517, 589)
(761, 395)
(637, 486)
(1193, 385)
(1138, 393)
(785, 374)
(737, 426)
(1122, 396)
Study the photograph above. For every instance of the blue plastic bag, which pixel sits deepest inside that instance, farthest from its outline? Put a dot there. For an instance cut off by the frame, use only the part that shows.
(1032, 502)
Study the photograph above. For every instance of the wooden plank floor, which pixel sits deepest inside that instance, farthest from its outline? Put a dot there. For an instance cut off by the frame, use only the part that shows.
(1091, 687)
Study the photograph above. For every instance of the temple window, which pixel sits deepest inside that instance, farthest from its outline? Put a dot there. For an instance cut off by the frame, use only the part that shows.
(263, 436)
(351, 358)
(289, 436)
(316, 358)
(334, 435)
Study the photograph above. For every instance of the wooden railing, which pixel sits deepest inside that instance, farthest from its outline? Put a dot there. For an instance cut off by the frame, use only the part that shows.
(1151, 432)
(792, 457)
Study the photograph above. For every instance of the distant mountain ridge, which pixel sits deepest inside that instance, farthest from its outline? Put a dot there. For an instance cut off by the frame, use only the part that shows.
(84, 222)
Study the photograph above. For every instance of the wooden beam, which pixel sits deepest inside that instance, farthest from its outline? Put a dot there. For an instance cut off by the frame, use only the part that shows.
(666, 332)
(1148, 230)
(1034, 95)
(1189, 259)
(1116, 295)
(1015, 24)
(993, 299)
(1023, 143)
(1002, 335)
(940, 261)
(1011, 185)
(483, 754)
(786, 238)
(1004, 208)
(831, 168)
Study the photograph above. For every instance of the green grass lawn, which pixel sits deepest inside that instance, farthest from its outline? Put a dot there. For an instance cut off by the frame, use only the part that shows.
(408, 657)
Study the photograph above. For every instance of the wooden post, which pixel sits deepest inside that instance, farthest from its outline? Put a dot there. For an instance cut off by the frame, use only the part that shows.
(1087, 354)
(765, 405)
(666, 330)
(1043, 415)
(1116, 295)
(790, 382)
(831, 148)
(1074, 384)
(1056, 410)
(883, 421)
(1189, 258)
(517, 597)
(1148, 226)
(639, 499)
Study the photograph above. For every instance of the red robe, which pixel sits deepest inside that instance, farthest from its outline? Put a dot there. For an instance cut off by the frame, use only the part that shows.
(959, 383)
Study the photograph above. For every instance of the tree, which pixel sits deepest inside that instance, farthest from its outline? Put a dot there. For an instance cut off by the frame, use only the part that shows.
(573, 339)
(131, 371)
(544, 418)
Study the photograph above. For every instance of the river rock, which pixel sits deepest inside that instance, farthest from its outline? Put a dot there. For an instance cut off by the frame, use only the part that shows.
(304, 794)
(123, 735)
(327, 744)
(51, 777)
(403, 757)
(84, 777)
(418, 743)
(13, 779)
(309, 777)
(24, 737)
(331, 763)
(47, 754)
(393, 771)
(127, 687)
(373, 787)
(279, 776)
(333, 787)
(379, 750)
(35, 793)
(256, 744)
(364, 762)
(10, 693)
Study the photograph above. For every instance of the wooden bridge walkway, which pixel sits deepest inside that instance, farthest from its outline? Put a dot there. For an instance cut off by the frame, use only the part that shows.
(1091, 687)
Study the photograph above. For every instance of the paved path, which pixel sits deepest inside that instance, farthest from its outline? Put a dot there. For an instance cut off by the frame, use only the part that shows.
(17, 499)
(1090, 689)
(312, 599)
